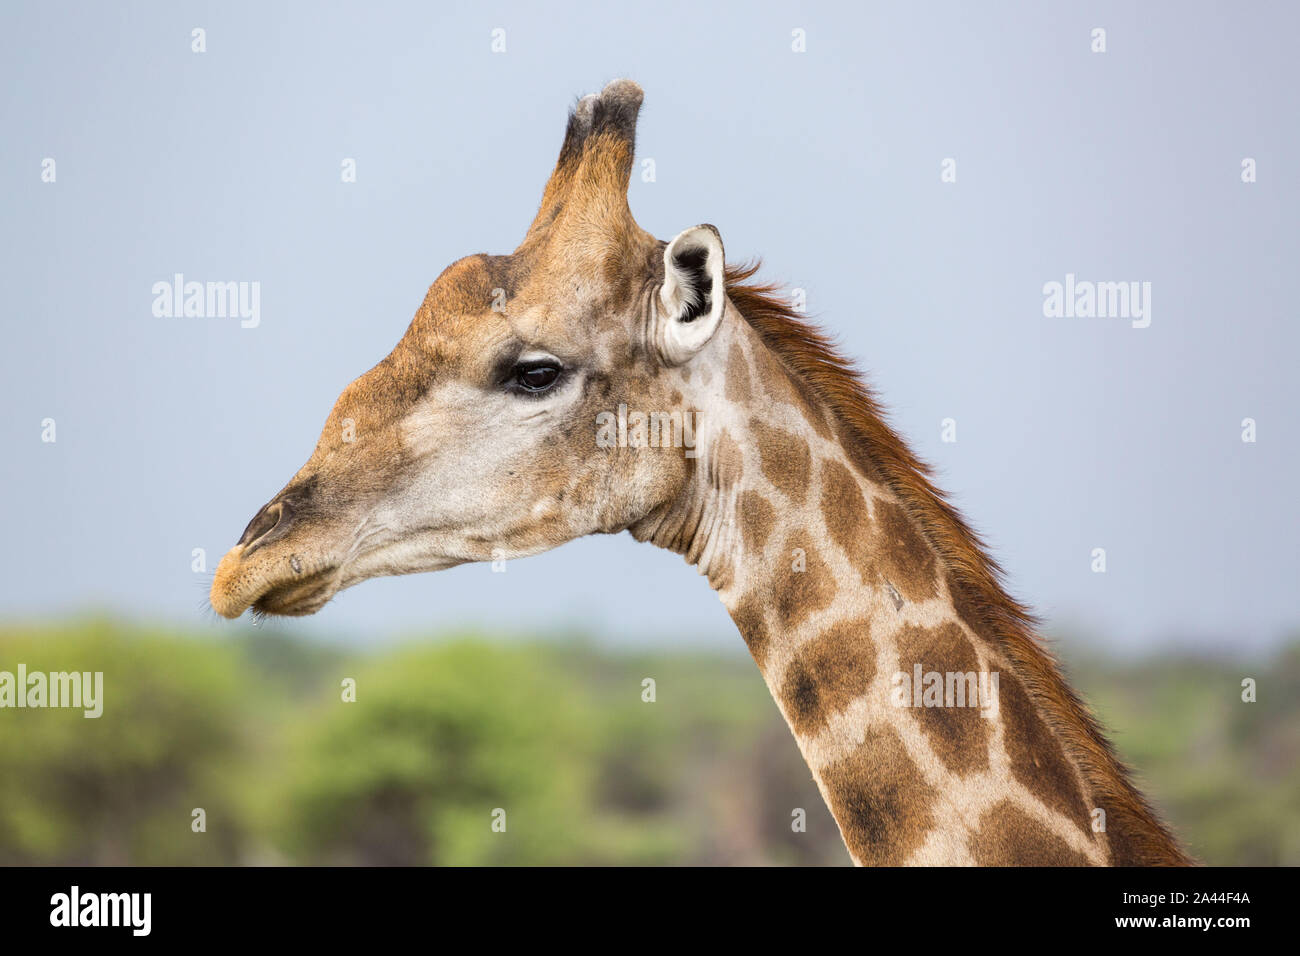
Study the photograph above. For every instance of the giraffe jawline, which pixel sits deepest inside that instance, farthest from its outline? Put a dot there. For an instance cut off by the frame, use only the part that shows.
(301, 596)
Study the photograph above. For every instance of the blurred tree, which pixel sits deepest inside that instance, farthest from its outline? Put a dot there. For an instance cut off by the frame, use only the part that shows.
(254, 730)
(1225, 772)
(121, 788)
(438, 739)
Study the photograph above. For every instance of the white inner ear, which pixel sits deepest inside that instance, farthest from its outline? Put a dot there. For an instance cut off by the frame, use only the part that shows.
(691, 304)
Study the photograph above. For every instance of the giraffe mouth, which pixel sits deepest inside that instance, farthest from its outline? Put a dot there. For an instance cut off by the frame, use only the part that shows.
(300, 596)
(298, 584)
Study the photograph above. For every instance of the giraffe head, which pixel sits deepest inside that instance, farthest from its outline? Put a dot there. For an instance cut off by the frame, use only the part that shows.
(477, 437)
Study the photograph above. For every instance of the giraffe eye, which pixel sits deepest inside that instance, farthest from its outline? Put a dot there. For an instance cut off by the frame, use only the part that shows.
(536, 376)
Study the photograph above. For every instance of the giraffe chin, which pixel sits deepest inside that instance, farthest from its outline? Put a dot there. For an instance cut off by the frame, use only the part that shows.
(299, 597)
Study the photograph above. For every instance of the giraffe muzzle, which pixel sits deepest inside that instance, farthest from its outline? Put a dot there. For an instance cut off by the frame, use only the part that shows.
(278, 581)
(281, 563)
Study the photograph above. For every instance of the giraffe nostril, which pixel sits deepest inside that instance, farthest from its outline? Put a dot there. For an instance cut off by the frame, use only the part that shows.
(274, 516)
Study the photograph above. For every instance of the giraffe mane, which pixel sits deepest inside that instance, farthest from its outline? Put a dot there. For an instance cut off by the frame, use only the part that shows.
(813, 361)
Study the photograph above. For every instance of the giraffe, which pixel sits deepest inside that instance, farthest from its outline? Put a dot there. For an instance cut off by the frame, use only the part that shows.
(739, 438)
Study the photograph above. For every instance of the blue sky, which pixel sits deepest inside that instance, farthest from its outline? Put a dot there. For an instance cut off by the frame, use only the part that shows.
(1072, 433)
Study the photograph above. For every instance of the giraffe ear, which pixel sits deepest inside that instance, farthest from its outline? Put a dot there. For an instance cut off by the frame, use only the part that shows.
(693, 296)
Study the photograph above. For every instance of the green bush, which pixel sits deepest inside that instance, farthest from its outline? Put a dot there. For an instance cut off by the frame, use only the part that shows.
(121, 788)
(437, 739)
(253, 729)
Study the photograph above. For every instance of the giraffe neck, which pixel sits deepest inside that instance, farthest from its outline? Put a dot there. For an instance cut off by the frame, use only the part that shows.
(843, 604)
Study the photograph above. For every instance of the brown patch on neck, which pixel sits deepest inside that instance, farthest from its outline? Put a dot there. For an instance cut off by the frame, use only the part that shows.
(844, 510)
(974, 579)
(728, 461)
(1037, 758)
(886, 550)
(737, 376)
(800, 593)
(959, 735)
(756, 520)
(748, 615)
(879, 799)
(905, 557)
(787, 462)
(776, 380)
(1008, 836)
(827, 674)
